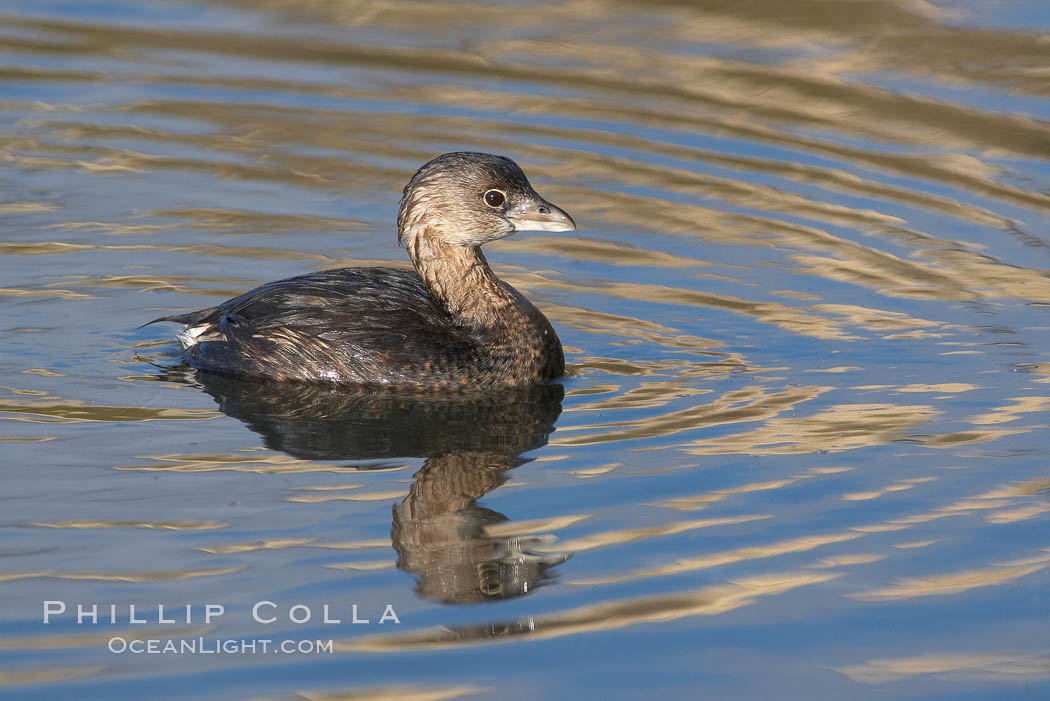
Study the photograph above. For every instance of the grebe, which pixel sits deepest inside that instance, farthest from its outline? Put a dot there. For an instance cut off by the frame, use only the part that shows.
(450, 323)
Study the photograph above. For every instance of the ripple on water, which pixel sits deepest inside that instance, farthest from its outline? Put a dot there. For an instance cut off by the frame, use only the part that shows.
(803, 317)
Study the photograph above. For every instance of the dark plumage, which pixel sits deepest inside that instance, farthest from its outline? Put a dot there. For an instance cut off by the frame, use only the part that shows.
(449, 323)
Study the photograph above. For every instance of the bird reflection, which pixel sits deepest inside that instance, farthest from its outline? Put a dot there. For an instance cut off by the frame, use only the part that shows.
(469, 441)
(439, 533)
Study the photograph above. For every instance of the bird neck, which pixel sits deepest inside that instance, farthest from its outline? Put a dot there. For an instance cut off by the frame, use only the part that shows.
(460, 277)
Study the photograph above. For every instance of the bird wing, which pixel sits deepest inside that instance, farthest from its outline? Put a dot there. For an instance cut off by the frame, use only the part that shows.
(351, 325)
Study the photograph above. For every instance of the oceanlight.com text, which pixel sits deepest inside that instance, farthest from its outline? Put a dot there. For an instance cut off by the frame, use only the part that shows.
(215, 646)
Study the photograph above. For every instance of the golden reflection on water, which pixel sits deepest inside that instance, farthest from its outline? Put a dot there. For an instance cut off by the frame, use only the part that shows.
(960, 666)
(161, 525)
(942, 585)
(84, 640)
(73, 411)
(840, 428)
(159, 576)
(1022, 513)
(399, 692)
(282, 543)
(1019, 407)
(701, 501)
(362, 566)
(66, 294)
(897, 487)
(630, 535)
(354, 496)
(707, 601)
(846, 560)
(805, 93)
(694, 564)
(261, 464)
(733, 407)
(534, 525)
(877, 209)
(48, 674)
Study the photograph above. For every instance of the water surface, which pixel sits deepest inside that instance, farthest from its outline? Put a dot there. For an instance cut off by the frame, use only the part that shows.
(802, 450)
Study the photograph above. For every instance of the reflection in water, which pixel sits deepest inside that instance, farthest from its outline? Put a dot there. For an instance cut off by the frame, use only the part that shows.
(964, 667)
(470, 441)
(397, 692)
(706, 601)
(49, 674)
(440, 533)
(806, 315)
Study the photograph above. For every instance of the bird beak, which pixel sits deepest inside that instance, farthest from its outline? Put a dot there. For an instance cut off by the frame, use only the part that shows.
(537, 214)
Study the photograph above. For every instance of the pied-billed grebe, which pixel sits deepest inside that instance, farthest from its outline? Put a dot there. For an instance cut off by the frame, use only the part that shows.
(450, 323)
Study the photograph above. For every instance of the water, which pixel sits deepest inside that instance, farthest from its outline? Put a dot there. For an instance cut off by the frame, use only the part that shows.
(802, 453)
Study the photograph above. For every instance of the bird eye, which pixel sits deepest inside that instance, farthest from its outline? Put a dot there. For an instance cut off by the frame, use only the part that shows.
(495, 198)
